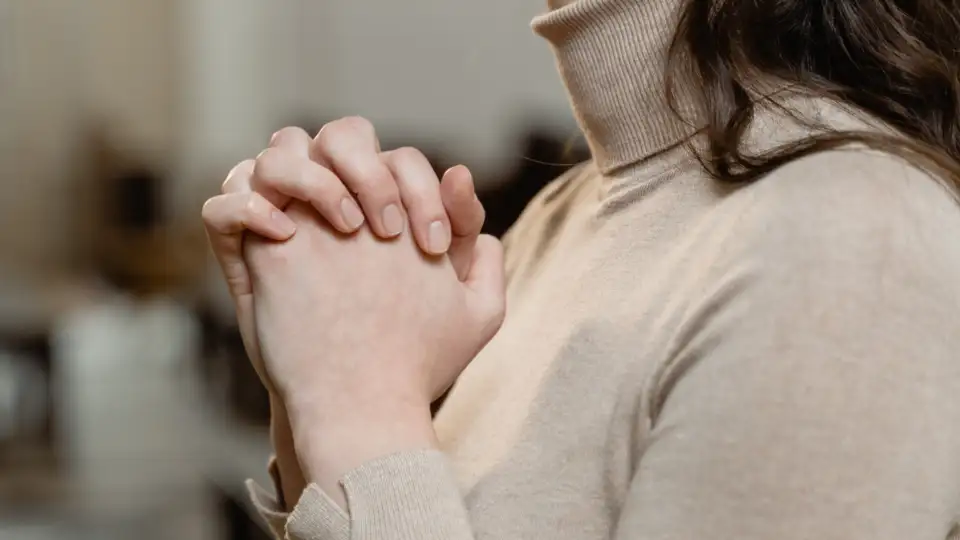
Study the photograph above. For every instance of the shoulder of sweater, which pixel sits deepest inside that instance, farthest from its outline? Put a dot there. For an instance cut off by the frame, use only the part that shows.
(855, 184)
(850, 254)
(841, 195)
(852, 209)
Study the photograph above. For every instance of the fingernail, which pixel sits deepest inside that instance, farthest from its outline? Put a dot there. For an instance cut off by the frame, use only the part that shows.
(284, 224)
(392, 220)
(438, 238)
(352, 215)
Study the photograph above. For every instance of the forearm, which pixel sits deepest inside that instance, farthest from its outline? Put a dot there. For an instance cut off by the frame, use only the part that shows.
(292, 483)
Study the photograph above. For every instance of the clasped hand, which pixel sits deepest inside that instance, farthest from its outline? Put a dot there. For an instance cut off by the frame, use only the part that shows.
(343, 317)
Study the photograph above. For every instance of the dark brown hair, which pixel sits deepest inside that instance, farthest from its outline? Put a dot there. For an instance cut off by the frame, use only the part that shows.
(897, 60)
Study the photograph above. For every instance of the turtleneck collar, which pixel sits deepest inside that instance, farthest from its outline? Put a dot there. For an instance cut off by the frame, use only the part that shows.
(612, 56)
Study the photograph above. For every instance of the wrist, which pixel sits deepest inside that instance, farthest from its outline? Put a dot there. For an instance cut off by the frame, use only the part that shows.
(336, 408)
(334, 437)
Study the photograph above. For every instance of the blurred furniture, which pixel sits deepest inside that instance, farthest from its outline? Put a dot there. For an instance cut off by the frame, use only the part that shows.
(130, 429)
(102, 432)
(29, 420)
(27, 409)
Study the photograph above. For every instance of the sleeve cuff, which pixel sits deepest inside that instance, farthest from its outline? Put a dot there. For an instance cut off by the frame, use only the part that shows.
(316, 516)
(406, 496)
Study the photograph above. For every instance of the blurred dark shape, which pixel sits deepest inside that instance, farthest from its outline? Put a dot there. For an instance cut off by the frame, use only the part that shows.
(136, 201)
(27, 408)
(134, 245)
(546, 154)
(226, 370)
(237, 521)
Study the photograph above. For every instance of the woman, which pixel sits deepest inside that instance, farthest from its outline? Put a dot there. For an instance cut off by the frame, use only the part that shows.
(738, 321)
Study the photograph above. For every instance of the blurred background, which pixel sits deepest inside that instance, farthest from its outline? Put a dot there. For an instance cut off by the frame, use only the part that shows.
(127, 407)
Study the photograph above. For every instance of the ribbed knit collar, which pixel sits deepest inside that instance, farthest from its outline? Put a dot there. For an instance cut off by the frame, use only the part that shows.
(612, 57)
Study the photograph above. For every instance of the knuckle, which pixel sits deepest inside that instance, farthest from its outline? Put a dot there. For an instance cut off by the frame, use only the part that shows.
(407, 156)
(270, 165)
(289, 132)
(208, 209)
(349, 126)
(244, 168)
(356, 124)
(253, 206)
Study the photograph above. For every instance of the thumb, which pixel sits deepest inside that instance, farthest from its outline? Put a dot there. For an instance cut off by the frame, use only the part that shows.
(466, 215)
(487, 284)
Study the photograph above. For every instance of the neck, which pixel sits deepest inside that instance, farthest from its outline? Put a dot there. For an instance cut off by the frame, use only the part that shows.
(612, 56)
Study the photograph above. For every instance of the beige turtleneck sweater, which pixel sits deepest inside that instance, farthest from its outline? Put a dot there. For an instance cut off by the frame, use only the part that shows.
(685, 361)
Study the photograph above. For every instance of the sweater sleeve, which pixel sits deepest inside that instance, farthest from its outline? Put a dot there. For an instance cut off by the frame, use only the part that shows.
(815, 393)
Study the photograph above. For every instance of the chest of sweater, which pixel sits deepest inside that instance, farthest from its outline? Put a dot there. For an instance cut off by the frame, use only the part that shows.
(538, 419)
(553, 412)
(556, 410)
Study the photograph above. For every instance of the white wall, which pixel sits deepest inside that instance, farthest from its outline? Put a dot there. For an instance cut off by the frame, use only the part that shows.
(462, 71)
(235, 63)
